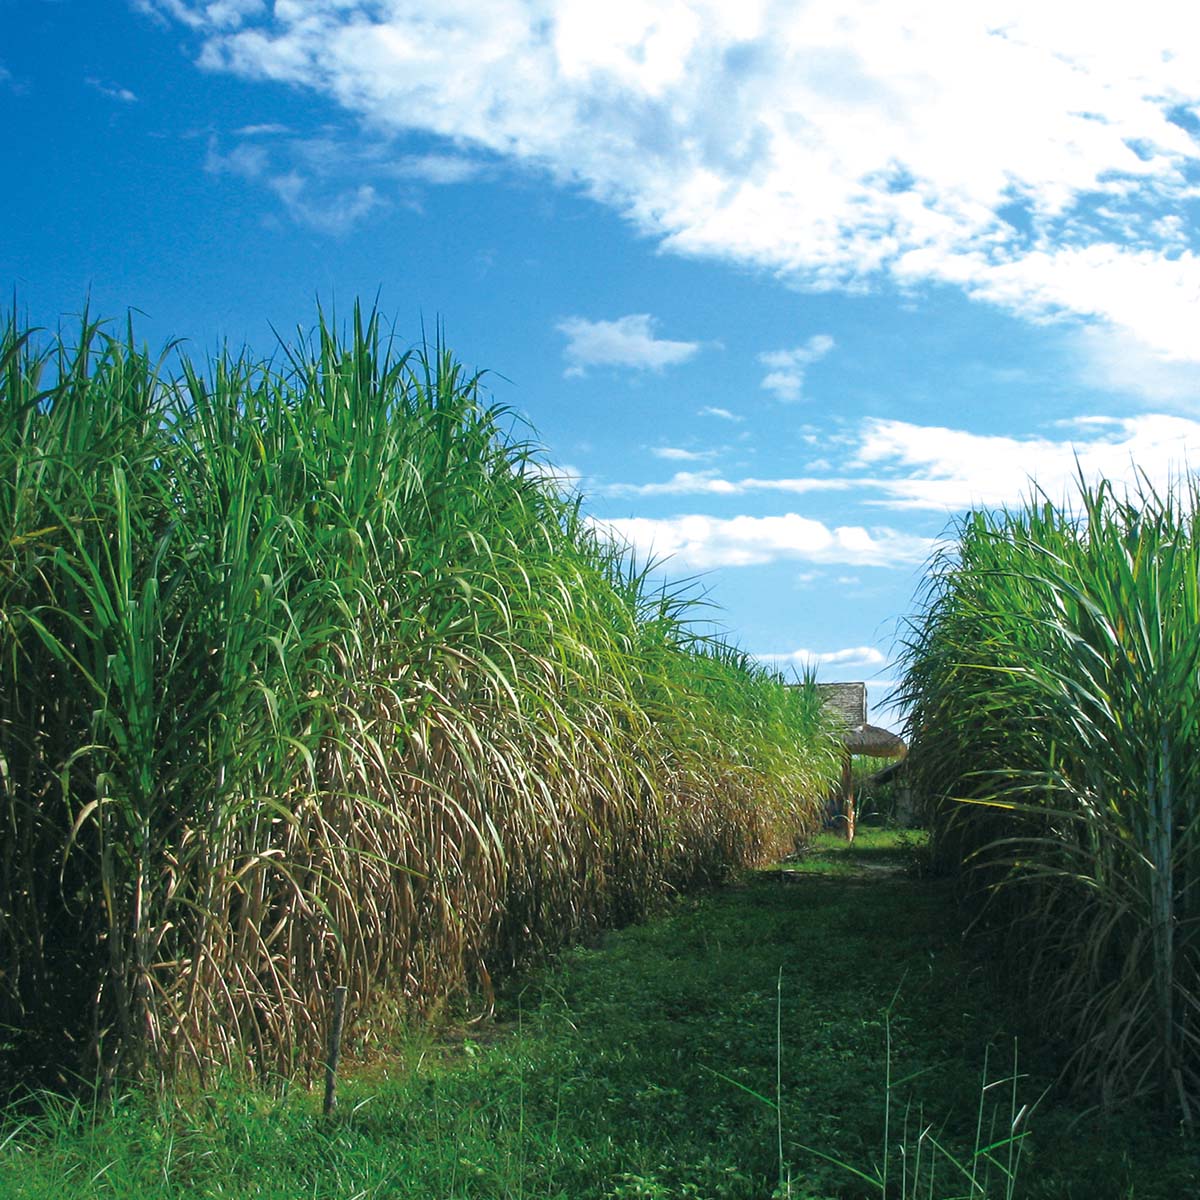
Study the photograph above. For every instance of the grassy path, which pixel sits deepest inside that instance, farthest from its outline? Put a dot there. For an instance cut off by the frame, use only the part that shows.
(648, 1066)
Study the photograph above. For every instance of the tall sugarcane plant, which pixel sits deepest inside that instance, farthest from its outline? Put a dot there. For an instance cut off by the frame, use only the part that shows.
(311, 674)
(1055, 681)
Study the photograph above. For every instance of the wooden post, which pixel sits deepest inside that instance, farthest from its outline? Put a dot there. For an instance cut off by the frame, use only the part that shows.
(847, 813)
(335, 1048)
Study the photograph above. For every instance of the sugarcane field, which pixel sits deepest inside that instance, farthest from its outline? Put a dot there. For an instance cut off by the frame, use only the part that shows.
(375, 824)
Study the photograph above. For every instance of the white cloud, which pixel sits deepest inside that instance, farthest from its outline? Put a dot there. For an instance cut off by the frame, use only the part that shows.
(334, 214)
(247, 159)
(952, 469)
(330, 182)
(787, 367)
(110, 91)
(313, 196)
(1031, 154)
(266, 129)
(682, 483)
(797, 487)
(205, 14)
(438, 169)
(1118, 362)
(905, 466)
(850, 656)
(626, 342)
(699, 483)
(678, 454)
(1146, 296)
(701, 542)
(721, 413)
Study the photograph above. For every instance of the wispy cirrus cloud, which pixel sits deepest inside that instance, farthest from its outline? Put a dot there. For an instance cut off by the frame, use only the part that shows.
(838, 144)
(247, 159)
(263, 129)
(310, 196)
(203, 14)
(111, 91)
(438, 169)
(335, 213)
(332, 180)
(629, 341)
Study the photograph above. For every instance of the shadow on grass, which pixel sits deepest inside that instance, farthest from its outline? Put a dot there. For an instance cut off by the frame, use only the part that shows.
(741, 1037)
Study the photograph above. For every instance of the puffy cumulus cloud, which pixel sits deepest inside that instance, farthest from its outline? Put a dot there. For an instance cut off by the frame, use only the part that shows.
(786, 368)
(701, 542)
(626, 342)
(931, 467)
(1039, 156)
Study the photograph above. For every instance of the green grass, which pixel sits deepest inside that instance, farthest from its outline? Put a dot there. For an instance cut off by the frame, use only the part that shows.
(646, 1065)
(875, 848)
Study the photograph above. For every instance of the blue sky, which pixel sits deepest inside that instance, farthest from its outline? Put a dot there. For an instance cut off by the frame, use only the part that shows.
(782, 287)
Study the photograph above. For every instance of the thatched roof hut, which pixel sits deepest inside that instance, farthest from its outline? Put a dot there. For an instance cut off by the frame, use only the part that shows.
(847, 703)
(875, 742)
